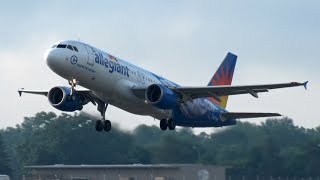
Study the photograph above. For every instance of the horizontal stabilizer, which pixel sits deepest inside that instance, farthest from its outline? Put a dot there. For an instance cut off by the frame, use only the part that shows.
(243, 115)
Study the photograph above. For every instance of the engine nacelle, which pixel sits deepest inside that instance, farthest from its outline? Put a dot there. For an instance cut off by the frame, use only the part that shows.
(161, 97)
(60, 98)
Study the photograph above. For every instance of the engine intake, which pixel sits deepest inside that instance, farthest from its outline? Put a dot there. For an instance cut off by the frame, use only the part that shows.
(60, 98)
(161, 97)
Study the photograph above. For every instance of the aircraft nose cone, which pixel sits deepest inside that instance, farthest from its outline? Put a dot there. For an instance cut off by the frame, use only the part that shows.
(50, 57)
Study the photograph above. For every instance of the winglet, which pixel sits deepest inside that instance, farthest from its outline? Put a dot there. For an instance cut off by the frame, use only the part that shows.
(305, 84)
(20, 91)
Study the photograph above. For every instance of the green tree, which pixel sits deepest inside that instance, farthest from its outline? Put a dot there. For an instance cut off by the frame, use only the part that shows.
(276, 147)
(5, 167)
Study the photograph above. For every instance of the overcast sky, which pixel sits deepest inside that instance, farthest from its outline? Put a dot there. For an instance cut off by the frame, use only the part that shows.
(184, 41)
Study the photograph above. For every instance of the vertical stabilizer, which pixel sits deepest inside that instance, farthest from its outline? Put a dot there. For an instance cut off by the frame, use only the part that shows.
(223, 76)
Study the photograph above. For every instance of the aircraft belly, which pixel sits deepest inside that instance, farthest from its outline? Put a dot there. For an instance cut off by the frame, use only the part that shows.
(199, 113)
(135, 107)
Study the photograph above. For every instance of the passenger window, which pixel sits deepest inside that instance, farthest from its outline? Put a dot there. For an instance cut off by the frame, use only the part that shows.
(61, 46)
(75, 48)
(54, 46)
(70, 47)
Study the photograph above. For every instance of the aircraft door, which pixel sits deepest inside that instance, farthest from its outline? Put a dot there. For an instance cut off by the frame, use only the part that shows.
(91, 53)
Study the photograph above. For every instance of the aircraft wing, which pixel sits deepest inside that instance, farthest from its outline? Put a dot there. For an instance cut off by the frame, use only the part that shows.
(86, 93)
(40, 92)
(242, 115)
(218, 91)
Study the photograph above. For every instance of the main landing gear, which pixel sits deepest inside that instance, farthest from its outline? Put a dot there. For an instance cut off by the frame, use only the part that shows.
(165, 124)
(103, 124)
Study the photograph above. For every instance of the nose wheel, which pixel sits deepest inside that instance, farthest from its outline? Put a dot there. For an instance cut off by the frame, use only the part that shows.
(102, 124)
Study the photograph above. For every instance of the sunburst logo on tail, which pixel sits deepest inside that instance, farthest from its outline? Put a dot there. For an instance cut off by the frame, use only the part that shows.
(223, 76)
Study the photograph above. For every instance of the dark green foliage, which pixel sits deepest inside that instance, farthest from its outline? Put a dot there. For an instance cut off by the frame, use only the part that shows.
(276, 147)
(5, 167)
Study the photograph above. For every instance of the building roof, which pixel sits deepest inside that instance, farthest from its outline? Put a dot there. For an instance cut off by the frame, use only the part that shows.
(124, 166)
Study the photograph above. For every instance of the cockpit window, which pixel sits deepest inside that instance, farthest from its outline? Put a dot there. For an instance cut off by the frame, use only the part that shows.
(61, 46)
(70, 47)
(75, 48)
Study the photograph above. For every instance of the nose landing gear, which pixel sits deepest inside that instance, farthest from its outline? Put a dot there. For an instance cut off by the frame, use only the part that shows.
(73, 83)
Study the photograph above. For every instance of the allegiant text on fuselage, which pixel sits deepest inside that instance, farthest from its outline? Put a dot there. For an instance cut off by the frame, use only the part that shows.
(112, 65)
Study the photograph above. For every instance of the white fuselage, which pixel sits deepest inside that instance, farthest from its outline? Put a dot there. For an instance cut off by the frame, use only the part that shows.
(111, 79)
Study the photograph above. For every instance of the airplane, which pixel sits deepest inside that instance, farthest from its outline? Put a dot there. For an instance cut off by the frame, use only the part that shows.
(111, 80)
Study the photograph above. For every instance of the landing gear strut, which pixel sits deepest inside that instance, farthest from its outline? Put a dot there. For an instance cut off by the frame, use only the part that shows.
(165, 124)
(102, 124)
(73, 83)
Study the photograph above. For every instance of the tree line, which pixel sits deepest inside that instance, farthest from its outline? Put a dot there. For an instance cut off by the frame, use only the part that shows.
(276, 147)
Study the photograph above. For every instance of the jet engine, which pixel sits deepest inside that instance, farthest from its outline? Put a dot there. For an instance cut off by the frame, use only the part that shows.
(161, 97)
(60, 98)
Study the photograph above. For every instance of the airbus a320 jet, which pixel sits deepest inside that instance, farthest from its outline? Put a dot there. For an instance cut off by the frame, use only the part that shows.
(111, 80)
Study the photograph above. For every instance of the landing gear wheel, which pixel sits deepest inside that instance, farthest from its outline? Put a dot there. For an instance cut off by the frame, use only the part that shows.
(163, 124)
(171, 124)
(107, 125)
(99, 125)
